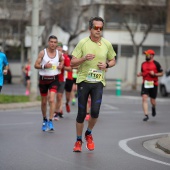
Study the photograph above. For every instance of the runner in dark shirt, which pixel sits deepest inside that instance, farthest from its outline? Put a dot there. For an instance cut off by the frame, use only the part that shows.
(150, 71)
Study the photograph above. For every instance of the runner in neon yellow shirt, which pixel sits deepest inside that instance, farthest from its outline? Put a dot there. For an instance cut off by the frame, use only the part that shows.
(92, 56)
(101, 51)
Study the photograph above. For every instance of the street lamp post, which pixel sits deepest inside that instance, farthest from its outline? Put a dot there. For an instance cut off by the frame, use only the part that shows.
(34, 49)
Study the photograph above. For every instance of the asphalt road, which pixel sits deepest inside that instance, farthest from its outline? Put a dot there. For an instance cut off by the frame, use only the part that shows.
(119, 137)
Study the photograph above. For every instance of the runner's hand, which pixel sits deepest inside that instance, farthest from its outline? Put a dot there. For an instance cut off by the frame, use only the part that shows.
(90, 56)
(48, 65)
(152, 73)
(102, 66)
(60, 66)
(5, 72)
(139, 74)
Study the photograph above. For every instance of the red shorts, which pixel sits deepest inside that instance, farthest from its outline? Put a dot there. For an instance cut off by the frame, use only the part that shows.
(48, 83)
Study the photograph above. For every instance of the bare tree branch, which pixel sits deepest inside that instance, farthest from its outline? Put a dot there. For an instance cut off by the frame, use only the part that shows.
(145, 35)
(140, 11)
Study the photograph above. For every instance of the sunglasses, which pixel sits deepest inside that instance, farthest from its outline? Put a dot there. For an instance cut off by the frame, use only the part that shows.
(97, 28)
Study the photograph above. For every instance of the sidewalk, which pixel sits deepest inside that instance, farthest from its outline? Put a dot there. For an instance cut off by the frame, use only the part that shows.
(164, 144)
(10, 106)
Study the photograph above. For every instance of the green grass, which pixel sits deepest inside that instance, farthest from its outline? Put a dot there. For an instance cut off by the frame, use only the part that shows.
(14, 98)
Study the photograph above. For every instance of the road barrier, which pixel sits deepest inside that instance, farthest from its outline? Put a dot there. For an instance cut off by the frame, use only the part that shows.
(118, 87)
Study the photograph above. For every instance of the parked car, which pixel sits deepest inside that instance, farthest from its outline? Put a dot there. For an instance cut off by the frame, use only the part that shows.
(8, 77)
(165, 84)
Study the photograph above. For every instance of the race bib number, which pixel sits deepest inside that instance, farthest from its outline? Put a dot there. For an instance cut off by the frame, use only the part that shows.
(54, 67)
(94, 75)
(149, 84)
(66, 74)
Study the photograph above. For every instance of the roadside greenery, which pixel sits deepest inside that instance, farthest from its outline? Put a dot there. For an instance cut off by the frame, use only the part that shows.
(14, 98)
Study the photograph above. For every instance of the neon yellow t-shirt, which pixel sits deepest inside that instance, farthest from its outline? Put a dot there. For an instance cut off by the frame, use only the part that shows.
(88, 71)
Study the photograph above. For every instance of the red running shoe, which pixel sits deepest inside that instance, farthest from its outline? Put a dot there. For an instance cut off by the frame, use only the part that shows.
(90, 143)
(77, 146)
(67, 107)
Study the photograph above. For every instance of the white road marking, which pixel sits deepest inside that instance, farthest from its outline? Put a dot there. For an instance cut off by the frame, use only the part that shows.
(139, 98)
(110, 106)
(124, 146)
(13, 124)
(111, 112)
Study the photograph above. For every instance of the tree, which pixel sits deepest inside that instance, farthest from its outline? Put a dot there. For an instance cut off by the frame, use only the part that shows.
(66, 14)
(139, 12)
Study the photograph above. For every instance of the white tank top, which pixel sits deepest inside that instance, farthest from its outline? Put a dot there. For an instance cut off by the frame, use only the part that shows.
(54, 61)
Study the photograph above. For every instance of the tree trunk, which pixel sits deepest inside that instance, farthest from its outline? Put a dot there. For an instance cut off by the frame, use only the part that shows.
(136, 52)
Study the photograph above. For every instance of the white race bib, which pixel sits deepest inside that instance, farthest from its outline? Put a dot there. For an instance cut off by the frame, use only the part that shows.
(94, 75)
(148, 84)
(66, 74)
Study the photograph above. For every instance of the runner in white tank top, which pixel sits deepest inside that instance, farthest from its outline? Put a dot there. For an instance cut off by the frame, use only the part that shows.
(55, 63)
(49, 63)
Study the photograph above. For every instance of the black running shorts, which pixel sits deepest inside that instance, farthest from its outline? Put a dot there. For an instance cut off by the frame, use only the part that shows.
(151, 92)
(69, 85)
(95, 90)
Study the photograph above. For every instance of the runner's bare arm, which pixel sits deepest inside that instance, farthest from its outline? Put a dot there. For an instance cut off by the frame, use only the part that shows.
(61, 60)
(111, 63)
(159, 74)
(37, 64)
(108, 64)
(5, 69)
(78, 61)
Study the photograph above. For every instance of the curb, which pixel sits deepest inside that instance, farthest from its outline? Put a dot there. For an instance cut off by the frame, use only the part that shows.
(164, 144)
(10, 106)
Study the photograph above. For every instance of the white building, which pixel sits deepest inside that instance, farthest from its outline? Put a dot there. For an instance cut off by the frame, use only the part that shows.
(114, 12)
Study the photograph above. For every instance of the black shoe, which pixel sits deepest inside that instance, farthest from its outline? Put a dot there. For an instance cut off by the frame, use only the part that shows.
(146, 118)
(153, 111)
(60, 115)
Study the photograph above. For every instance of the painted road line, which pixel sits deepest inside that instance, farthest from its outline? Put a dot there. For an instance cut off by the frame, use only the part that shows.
(16, 124)
(124, 146)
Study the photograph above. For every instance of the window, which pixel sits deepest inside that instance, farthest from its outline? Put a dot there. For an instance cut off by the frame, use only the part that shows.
(126, 51)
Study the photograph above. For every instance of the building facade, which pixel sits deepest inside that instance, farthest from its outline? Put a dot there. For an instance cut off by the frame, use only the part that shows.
(139, 16)
(119, 15)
